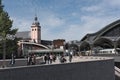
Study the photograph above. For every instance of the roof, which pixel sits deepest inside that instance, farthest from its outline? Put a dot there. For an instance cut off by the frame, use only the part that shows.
(101, 32)
(26, 35)
(46, 42)
(23, 34)
(46, 50)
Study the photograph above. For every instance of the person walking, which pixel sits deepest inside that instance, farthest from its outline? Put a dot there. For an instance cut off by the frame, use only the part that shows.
(29, 59)
(70, 57)
(62, 59)
(45, 58)
(33, 59)
(12, 62)
(54, 58)
(51, 58)
(48, 59)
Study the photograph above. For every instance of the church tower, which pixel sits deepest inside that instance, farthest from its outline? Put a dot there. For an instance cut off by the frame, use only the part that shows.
(36, 31)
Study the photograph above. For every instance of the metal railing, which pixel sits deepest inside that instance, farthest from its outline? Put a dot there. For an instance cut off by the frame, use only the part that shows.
(117, 71)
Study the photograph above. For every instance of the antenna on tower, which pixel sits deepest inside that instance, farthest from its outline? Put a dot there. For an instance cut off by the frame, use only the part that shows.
(35, 9)
(35, 12)
(36, 18)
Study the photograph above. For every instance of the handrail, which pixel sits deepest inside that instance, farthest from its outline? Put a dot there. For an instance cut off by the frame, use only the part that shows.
(117, 71)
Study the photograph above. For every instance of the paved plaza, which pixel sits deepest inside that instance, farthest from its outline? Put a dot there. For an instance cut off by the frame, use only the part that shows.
(40, 61)
(81, 59)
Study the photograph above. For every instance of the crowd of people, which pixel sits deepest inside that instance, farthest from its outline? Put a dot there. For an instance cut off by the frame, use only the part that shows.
(49, 58)
(31, 60)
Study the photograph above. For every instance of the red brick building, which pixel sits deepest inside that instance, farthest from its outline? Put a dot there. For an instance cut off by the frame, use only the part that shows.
(58, 43)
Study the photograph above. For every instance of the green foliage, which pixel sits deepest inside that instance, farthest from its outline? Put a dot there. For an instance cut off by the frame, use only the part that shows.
(5, 28)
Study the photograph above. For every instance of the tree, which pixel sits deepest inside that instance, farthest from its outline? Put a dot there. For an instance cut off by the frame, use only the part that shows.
(6, 28)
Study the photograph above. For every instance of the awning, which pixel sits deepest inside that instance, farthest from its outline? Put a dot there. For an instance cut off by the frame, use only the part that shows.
(46, 51)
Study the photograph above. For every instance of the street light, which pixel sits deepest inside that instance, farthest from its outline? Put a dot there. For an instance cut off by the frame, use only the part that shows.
(8, 36)
(115, 42)
(64, 49)
(52, 48)
(11, 37)
(79, 49)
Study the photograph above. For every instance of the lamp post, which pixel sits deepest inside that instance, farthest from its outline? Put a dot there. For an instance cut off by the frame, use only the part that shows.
(115, 42)
(91, 47)
(23, 48)
(64, 49)
(8, 36)
(52, 48)
(11, 37)
(79, 49)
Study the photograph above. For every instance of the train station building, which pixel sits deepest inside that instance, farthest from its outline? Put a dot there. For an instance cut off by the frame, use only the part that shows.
(106, 38)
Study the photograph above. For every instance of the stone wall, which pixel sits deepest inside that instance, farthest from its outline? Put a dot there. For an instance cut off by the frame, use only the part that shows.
(90, 70)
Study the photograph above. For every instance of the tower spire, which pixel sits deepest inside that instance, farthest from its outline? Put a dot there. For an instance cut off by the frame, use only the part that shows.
(36, 22)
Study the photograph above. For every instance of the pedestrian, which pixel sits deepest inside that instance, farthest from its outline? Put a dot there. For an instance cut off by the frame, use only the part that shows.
(12, 62)
(45, 58)
(54, 57)
(62, 59)
(33, 59)
(70, 57)
(29, 59)
(48, 58)
(51, 58)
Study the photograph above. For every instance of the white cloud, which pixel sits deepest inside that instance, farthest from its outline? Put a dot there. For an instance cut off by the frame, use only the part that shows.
(89, 24)
(52, 21)
(21, 24)
(111, 3)
(75, 14)
(45, 34)
(93, 23)
(72, 33)
(92, 8)
(93, 18)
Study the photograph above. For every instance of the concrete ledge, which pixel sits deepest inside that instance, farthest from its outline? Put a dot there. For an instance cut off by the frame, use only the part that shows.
(90, 70)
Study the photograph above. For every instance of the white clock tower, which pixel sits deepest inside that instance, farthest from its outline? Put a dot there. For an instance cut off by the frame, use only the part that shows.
(36, 31)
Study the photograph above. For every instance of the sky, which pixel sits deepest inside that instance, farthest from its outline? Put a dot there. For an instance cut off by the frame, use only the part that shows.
(63, 19)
